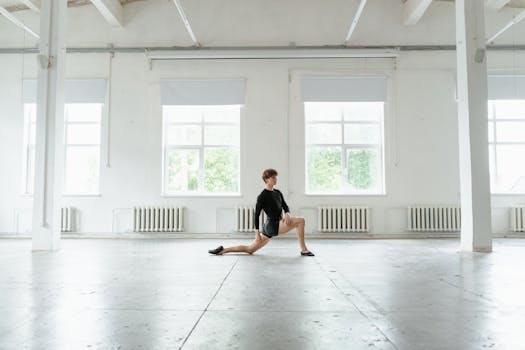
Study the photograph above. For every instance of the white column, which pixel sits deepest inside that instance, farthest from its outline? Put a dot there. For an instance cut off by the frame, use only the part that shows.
(476, 230)
(49, 135)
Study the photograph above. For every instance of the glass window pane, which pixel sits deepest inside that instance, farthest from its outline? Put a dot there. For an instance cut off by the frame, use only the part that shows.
(83, 112)
(32, 133)
(222, 114)
(361, 134)
(509, 109)
(183, 170)
(510, 169)
(323, 172)
(323, 111)
(510, 131)
(221, 135)
(30, 171)
(363, 111)
(323, 134)
(30, 112)
(492, 168)
(183, 135)
(491, 131)
(82, 170)
(182, 114)
(83, 134)
(362, 169)
(221, 169)
(202, 169)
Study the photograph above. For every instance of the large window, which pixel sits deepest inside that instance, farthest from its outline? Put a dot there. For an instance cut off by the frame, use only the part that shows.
(82, 148)
(201, 149)
(344, 135)
(29, 148)
(507, 145)
(506, 114)
(344, 147)
(201, 136)
(83, 111)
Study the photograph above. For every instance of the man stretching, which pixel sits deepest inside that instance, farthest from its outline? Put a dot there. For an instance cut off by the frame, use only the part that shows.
(270, 200)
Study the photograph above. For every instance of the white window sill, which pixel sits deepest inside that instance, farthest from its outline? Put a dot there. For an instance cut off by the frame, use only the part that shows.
(346, 194)
(200, 195)
(81, 195)
(507, 194)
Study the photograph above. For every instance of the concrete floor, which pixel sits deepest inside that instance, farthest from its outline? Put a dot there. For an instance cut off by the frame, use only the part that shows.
(170, 294)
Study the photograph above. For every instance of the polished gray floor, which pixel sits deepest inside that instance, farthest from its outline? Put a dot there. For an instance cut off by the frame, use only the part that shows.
(170, 294)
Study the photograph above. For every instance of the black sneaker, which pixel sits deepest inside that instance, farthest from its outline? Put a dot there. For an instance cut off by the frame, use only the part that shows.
(217, 250)
(307, 253)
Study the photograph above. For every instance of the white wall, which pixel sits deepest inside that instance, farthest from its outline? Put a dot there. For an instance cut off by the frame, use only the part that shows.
(420, 126)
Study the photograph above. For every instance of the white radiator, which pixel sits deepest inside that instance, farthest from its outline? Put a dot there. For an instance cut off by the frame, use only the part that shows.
(434, 218)
(244, 219)
(344, 219)
(158, 219)
(517, 219)
(66, 219)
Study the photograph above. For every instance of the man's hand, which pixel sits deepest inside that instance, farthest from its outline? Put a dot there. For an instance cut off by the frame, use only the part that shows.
(257, 235)
(287, 219)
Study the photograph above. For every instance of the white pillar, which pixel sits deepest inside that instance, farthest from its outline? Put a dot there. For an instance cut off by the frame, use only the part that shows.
(49, 135)
(476, 230)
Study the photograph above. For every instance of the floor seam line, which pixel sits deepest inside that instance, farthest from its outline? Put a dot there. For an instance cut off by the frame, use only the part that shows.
(356, 307)
(209, 303)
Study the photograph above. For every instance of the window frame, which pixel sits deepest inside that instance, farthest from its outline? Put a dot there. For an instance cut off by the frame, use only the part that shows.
(201, 148)
(67, 146)
(493, 145)
(345, 147)
(27, 185)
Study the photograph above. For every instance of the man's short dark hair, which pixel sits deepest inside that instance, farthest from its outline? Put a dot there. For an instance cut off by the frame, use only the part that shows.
(268, 173)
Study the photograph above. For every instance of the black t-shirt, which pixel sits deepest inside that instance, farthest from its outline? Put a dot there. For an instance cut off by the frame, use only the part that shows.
(272, 202)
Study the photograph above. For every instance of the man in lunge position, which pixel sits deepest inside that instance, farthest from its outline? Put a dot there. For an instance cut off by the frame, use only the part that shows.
(270, 200)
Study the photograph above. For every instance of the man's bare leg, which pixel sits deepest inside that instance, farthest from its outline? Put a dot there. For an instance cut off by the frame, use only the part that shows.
(298, 224)
(257, 244)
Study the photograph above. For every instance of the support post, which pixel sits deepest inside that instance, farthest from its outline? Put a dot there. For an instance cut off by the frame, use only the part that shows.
(476, 223)
(49, 128)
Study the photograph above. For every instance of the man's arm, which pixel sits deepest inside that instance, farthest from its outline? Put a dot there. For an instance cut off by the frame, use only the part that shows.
(287, 217)
(257, 215)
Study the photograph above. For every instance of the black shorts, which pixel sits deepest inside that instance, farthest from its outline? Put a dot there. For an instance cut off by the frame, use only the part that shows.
(271, 228)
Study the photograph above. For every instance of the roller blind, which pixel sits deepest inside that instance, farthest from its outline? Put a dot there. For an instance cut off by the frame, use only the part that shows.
(76, 91)
(342, 89)
(202, 91)
(506, 87)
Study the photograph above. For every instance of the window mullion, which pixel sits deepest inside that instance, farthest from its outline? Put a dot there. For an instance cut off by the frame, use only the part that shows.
(201, 157)
(495, 147)
(344, 165)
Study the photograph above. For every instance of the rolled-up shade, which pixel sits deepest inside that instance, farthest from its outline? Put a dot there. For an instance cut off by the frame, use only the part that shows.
(341, 89)
(76, 90)
(202, 91)
(506, 87)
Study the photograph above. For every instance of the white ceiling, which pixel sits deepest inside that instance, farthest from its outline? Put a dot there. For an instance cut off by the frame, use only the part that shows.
(264, 23)
(14, 5)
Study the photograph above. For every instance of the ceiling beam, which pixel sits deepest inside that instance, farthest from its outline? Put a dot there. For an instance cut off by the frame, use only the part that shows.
(515, 20)
(34, 5)
(17, 22)
(111, 10)
(496, 4)
(356, 19)
(186, 22)
(414, 10)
